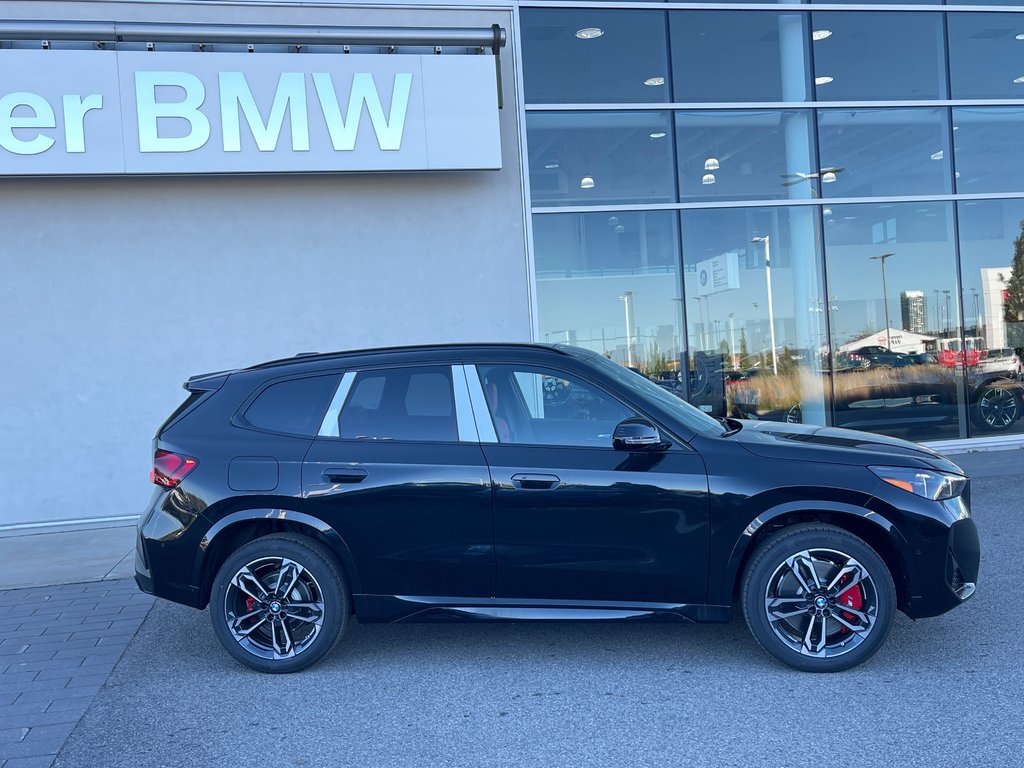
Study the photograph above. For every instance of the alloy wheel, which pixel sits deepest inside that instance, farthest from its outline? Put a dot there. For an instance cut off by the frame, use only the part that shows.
(821, 602)
(998, 407)
(274, 607)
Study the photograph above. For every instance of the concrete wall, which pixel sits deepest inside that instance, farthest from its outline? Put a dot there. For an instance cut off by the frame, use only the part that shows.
(114, 290)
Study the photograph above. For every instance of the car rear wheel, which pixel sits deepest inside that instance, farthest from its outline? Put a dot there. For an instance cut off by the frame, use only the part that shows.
(818, 598)
(997, 408)
(279, 603)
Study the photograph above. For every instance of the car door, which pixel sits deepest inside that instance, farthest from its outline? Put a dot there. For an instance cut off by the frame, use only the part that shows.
(575, 519)
(397, 470)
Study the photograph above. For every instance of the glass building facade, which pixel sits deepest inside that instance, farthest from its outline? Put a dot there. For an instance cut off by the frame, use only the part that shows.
(785, 213)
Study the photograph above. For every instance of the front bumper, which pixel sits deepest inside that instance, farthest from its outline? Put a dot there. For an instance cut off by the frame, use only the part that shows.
(934, 594)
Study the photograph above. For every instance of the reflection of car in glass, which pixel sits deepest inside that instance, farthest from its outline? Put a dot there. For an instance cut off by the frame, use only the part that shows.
(441, 483)
(865, 357)
(919, 397)
(1000, 361)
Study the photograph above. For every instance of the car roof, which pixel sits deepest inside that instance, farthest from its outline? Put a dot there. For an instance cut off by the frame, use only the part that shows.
(328, 357)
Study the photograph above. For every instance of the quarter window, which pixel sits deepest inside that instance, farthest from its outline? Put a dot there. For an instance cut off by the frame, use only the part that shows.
(537, 406)
(295, 406)
(401, 404)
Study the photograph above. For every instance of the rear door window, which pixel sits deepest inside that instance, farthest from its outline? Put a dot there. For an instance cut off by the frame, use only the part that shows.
(294, 406)
(414, 404)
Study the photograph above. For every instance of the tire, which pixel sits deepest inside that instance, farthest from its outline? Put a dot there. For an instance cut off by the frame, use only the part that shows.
(864, 594)
(297, 622)
(996, 408)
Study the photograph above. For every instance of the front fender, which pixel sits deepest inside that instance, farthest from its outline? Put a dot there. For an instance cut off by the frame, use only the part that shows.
(334, 539)
(748, 538)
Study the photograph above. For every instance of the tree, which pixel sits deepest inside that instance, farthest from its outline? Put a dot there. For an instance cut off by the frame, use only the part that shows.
(1013, 306)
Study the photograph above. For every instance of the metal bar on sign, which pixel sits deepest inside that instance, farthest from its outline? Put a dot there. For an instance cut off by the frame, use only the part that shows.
(493, 37)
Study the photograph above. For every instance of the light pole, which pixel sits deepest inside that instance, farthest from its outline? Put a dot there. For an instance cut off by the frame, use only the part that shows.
(771, 311)
(885, 296)
(947, 312)
(627, 299)
(938, 315)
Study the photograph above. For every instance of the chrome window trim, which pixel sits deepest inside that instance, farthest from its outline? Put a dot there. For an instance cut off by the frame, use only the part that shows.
(935, 7)
(329, 426)
(481, 413)
(463, 407)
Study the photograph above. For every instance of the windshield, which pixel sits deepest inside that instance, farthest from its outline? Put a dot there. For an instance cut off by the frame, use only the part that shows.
(644, 388)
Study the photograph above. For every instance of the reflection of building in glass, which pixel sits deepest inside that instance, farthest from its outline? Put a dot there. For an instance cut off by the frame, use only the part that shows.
(993, 291)
(914, 307)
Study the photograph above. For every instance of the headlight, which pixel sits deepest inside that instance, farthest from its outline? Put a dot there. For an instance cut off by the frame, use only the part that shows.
(929, 483)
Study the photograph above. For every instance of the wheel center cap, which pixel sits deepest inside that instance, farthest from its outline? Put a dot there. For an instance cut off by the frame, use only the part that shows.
(275, 607)
(820, 602)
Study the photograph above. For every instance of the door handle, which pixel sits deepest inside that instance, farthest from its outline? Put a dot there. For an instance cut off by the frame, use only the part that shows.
(344, 475)
(531, 482)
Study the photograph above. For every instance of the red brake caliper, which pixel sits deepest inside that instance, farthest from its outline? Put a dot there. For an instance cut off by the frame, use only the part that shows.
(851, 598)
(250, 604)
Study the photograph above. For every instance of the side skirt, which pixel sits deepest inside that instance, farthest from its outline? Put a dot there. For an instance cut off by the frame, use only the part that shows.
(393, 608)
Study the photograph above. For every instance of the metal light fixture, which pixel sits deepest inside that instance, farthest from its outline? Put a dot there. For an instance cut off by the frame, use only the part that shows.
(828, 177)
(619, 228)
(551, 165)
(654, 81)
(708, 178)
(658, 135)
(820, 34)
(711, 164)
(823, 79)
(589, 33)
(587, 182)
(938, 155)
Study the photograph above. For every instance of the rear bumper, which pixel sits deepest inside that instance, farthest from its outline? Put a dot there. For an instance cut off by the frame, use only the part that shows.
(163, 547)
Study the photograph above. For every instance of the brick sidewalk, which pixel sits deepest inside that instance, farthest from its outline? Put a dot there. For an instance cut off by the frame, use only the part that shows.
(59, 645)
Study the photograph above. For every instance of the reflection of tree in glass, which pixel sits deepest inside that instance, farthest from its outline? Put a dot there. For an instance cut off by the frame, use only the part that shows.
(1013, 306)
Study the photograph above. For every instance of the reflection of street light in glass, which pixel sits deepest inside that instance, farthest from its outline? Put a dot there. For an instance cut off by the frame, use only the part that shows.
(627, 299)
(948, 325)
(938, 311)
(885, 296)
(977, 314)
(768, 280)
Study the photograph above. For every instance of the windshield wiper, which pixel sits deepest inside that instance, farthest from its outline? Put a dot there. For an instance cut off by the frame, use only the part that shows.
(728, 424)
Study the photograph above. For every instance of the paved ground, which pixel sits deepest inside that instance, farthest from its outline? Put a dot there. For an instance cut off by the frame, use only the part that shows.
(943, 691)
(59, 645)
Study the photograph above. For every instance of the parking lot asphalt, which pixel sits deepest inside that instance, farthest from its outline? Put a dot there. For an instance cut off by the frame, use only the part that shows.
(941, 692)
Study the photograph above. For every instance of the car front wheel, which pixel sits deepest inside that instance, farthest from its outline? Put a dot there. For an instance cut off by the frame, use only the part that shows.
(818, 598)
(279, 603)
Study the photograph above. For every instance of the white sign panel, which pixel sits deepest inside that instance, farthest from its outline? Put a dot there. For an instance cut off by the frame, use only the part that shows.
(116, 112)
(720, 273)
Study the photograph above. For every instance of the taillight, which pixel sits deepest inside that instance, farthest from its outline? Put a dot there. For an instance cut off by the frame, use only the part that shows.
(169, 468)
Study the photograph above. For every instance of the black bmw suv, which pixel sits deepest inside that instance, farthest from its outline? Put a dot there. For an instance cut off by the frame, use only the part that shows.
(519, 481)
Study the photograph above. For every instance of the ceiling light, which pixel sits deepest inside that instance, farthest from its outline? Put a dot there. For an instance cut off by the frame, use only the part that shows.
(956, 127)
(658, 135)
(549, 166)
(589, 33)
(613, 220)
(827, 211)
(823, 80)
(654, 81)
(587, 182)
(820, 34)
(711, 164)
(620, 228)
(708, 178)
(828, 177)
(1019, 79)
(957, 174)
(1019, 37)
(937, 155)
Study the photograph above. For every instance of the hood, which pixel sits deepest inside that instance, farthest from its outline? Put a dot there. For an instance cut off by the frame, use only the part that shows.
(808, 442)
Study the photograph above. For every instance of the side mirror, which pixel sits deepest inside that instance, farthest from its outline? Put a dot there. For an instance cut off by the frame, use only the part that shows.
(636, 434)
